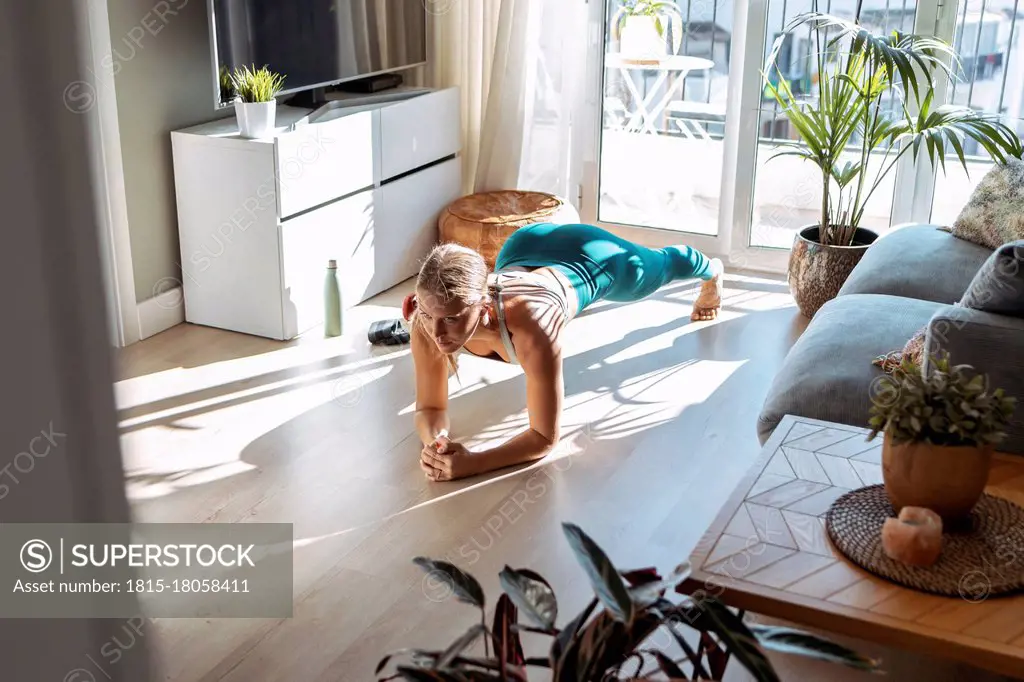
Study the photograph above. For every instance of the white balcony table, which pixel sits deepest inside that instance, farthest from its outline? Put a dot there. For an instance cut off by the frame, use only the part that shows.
(647, 109)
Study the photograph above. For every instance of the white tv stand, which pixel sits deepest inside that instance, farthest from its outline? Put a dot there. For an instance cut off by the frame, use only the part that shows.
(360, 181)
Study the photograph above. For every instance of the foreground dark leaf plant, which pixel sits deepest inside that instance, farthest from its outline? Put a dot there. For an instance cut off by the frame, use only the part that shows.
(612, 638)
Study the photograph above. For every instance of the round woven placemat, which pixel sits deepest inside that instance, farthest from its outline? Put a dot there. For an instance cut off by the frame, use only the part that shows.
(982, 558)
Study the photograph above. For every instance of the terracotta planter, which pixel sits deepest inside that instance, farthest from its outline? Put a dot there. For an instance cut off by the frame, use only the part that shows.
(817, 272)
(949, 480)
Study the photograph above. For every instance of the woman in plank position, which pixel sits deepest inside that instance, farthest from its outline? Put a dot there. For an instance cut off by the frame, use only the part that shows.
(544, 276)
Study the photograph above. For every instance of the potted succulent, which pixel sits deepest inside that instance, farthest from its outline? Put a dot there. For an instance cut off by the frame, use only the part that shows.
(640, 25)
(255, 106)
(874, 105)
(941, 424)
(599, 643)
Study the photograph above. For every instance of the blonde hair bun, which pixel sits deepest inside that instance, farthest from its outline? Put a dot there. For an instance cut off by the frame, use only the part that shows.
(453, 272)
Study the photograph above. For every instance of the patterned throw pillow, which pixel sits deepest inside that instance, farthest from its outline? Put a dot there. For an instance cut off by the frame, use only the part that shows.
(994, 214)
(998, 286)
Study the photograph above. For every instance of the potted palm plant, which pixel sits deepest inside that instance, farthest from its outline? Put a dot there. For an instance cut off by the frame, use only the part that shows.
(640, 25)
(630, 631)
(874, 105)
(940, 426)
(255, 104)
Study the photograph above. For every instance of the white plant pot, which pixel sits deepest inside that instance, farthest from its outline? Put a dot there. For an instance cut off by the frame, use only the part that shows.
(256, 119)
(640, 39)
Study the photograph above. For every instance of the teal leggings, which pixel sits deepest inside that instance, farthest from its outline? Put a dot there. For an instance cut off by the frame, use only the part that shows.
(599, 264)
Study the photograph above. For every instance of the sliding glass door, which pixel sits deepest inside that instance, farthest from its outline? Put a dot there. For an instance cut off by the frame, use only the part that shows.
(683, 128)
(663, 117)
(787, 190)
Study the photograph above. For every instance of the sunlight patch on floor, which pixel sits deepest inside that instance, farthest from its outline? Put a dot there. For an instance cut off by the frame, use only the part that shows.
(145, 485)
(638, 404)
(198, 441)
(289, 358)
(653, 401)
(302, 356)
(649, 342)
(293, 395)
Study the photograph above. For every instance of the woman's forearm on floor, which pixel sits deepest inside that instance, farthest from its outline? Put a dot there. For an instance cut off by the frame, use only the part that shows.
(432, 423)
(526, 447)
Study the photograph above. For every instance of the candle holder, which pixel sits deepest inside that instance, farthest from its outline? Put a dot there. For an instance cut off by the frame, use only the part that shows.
(982, 554)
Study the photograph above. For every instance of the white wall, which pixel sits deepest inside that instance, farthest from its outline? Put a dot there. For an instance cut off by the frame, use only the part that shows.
(161, 60)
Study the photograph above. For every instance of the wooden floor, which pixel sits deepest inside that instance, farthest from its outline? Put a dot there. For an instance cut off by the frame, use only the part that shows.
(224, 427)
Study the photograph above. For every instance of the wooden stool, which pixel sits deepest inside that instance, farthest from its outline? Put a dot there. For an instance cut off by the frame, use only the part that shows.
(483, 221)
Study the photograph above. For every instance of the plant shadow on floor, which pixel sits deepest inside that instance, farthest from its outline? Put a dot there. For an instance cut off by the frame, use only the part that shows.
(331, 443)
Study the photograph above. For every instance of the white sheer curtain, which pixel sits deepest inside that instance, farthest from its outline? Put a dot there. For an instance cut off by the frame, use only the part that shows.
(520, 66)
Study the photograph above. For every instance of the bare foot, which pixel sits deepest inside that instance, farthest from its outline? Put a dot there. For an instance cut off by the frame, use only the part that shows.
(709, 301)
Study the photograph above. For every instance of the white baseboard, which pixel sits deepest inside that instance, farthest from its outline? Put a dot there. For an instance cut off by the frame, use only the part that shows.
(161, 312)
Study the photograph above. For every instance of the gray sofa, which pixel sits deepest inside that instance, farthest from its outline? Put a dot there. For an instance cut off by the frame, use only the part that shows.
(909, 278)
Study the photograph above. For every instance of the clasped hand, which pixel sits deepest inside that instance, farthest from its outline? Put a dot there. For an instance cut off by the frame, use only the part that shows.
(446, 460)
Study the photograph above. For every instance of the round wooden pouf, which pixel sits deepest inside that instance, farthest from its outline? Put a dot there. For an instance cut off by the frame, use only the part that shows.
(483, 221)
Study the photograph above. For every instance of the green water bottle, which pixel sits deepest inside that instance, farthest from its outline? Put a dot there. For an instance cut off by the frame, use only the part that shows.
(332, 301)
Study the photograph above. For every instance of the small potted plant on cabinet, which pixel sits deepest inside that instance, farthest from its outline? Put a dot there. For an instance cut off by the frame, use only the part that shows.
(640, 25)
(940, 426)
(874, 105)
(255, 104)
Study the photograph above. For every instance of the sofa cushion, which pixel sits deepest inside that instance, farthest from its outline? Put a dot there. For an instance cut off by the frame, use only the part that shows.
(917, 261)
(998, 286)
(828, 373)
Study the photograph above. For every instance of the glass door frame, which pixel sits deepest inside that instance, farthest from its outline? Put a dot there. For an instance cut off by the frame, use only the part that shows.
(731, 244)
(743, 120)
(914, 182)
(589, 143)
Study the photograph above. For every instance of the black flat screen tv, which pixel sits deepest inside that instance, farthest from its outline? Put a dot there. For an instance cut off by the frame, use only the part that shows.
(317, 43)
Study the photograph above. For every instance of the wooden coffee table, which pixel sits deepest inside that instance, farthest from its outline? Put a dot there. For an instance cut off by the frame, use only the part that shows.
(767, 552)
